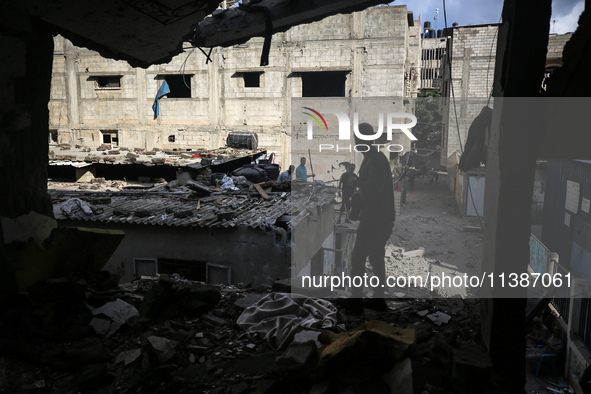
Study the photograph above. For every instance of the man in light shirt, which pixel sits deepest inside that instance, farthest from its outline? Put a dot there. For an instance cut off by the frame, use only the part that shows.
(286, 175)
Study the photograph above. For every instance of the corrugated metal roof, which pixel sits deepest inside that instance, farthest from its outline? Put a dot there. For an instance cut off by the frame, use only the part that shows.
(174, 209)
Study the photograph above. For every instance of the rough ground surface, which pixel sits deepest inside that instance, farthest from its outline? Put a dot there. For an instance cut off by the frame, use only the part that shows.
(47, 344)
(430, 219)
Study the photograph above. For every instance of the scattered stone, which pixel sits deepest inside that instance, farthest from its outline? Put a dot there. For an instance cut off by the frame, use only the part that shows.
(98, 180)
(142, 213)
(365, 353)
(298, 355)
(248, 300)
(307, 336)
(92, 159)
(414, 253)
(183, 214)
(439, 318)
(129, 356)
(173, 298)
(121, 212)
(100, 200)
(132, 155)
(399, 379)
(212, 319)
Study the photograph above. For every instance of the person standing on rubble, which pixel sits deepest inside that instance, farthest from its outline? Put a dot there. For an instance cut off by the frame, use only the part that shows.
(347, 184)
(373, 206)
(301, 171)
(286, 175)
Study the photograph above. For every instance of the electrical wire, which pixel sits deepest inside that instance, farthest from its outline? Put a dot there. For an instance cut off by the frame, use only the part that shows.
(490, 61)
(448, 56)
(183, 68)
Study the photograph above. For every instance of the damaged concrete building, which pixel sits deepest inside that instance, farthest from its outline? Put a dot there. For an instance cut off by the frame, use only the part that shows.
(137, 32)
(95, 100)
(467, 82)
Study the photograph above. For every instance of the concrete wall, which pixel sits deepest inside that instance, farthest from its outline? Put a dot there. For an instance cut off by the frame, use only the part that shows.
(432, 53)
(377, 47)
(556, 44)
(471, 53)
(253, 255)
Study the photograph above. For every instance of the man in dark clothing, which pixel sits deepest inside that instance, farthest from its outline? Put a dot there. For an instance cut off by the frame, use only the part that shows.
(376, 219)
(348, 184)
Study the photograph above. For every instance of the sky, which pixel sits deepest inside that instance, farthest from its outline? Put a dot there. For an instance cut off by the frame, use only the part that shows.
(565, 13)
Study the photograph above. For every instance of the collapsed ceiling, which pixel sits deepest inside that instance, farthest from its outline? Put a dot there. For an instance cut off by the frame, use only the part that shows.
(146, 32)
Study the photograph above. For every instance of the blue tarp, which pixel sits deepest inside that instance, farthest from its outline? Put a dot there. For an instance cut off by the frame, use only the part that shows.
(164, 89)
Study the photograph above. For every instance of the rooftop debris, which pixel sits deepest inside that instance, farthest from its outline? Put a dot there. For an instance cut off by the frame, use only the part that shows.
(47, 342)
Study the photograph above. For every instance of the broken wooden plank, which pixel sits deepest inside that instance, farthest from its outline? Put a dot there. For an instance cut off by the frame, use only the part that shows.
(261, 191)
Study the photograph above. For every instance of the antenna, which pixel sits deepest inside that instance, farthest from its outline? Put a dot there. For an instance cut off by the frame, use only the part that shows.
(554, 26)
(435, 19)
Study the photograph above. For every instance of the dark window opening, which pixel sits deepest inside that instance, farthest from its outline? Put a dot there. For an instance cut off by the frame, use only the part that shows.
(193, 270)
(110, 137)
(180, 85)
(252, 79)
(171, 138)
(108, 82)
(53, 135)
(324, 84)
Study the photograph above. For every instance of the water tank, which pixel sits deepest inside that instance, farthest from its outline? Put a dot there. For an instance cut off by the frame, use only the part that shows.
(427, 25)
(272, 170)
(431, 33)
(439, 33)
(252, 173)
(242, 140)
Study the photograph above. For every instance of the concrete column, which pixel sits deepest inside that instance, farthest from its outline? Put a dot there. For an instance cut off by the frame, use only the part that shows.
(142, 94)
(72, 82)
(26, 78)
(512, 153)
(358, 23)
(357, 74)
(287, 93)
(214, 102)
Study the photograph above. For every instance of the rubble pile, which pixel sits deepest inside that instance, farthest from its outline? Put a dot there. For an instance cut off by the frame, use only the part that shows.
(169, 334)
(123, 155)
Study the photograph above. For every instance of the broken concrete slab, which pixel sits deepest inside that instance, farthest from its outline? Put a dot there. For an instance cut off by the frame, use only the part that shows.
(298, 355)
(439, 318)
(32, 225)
(364, 353)
(248, 300)
(129, 356)
(173, 298)
(162, 344)
(101, 326)
(213, 319)
(307, 336)
(119, 311)
(399, 379)
(414, 253)
(66, 250)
